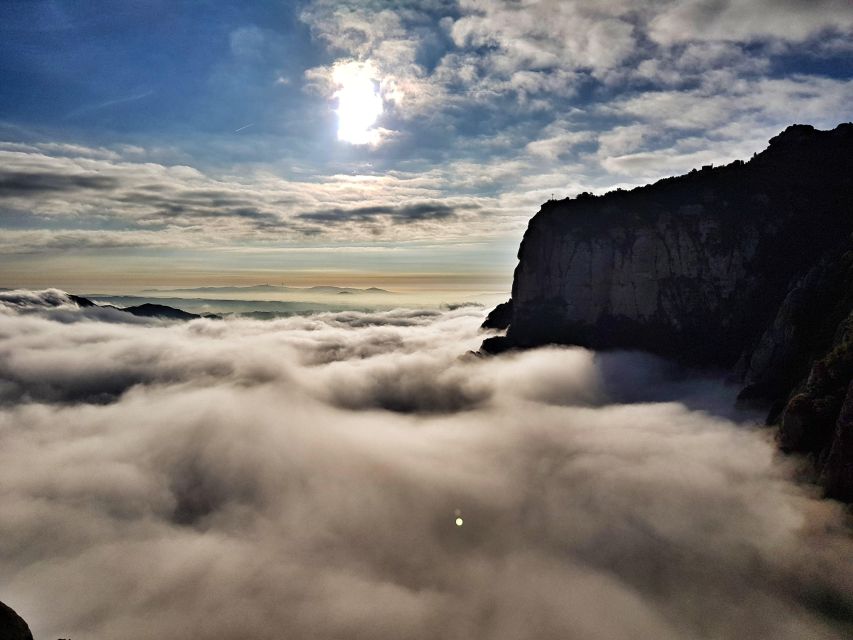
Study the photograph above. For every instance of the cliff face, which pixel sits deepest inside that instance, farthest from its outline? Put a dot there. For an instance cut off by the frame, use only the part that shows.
(742, 267)
(12, 626)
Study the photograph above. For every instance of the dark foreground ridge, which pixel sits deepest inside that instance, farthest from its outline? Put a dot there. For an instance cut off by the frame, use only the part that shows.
(24, 299)
(748, 266)
(147, 310)
(12, 626)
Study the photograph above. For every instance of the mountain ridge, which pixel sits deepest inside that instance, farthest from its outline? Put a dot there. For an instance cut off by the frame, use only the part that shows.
(746, 267)
(12, 625)
(272, 288)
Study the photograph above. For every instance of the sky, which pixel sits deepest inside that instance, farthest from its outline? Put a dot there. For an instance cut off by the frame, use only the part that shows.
(395, 144)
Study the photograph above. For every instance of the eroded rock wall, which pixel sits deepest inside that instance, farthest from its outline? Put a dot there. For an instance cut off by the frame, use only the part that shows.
(746, 267)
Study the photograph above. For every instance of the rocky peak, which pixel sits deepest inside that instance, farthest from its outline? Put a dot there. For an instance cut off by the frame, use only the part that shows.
(741, 266)
(12, 626)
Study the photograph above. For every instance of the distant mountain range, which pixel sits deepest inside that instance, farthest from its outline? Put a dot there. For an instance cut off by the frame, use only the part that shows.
(272, 288)
(145, 310)
(52, 298)
(203, 306)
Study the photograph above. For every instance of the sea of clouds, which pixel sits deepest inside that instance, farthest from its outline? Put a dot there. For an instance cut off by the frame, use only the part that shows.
(301, 478)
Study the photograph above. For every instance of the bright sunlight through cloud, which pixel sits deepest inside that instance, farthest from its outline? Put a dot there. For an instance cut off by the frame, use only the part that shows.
(359, 103)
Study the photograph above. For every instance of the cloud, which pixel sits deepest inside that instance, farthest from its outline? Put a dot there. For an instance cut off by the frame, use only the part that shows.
(135, 199)
(14, 183)
(89, 108)
(441, 59)
(722, 119)
(301, 477)
(539, 81)
(58, 306)
(490, 107)
(557, 140)
(713, 105)
(247, 43)
(746, 20)
(397, 215)
(34, 241)
(550, 34)
(24, 299)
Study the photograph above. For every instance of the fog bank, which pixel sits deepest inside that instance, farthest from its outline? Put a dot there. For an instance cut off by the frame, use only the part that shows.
(301, 478)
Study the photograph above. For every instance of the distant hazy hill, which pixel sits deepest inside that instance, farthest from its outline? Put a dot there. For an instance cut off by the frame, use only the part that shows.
(146, 310)
(748, 266)
(269, 288)
(149, 310)
(204, 306)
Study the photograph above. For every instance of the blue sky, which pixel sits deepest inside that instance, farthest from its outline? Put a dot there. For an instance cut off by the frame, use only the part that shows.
(157, 142)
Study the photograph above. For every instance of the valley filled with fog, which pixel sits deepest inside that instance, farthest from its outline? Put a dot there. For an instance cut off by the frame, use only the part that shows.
(366, 475)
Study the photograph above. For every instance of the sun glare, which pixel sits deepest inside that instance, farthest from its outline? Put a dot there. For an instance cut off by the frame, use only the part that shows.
(359, 103)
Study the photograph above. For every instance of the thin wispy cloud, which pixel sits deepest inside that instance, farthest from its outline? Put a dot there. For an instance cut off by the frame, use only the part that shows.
(90, 108)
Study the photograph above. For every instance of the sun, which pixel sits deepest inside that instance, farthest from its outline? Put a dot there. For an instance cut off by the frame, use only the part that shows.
(359, 103)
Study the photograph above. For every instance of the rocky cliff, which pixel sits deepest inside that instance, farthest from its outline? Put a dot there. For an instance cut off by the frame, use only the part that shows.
(745, 267)
(12, 626)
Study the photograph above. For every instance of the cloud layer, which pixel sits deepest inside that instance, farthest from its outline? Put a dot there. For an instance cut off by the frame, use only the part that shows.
(490, 107)
(301, 478)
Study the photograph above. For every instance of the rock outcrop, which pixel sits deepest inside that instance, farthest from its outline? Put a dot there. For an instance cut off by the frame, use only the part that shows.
(12, 626)
(747, 267)
(146, 310)
(150, 310)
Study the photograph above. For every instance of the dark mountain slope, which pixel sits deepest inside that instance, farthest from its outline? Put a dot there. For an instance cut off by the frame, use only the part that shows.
(746, 266)
(149, 310)
(12, 626)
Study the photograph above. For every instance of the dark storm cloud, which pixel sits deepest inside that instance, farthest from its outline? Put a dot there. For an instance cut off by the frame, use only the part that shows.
(17, 183)
(403, 214)
(301, 478)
